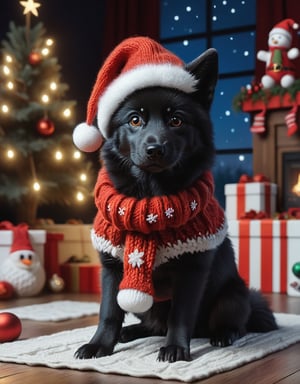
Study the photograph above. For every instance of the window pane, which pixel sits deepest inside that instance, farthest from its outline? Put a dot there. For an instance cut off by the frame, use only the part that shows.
(180, 18)
(232, 129)
(236, 51)
(187, 49)
(228, 169)
(233, 13)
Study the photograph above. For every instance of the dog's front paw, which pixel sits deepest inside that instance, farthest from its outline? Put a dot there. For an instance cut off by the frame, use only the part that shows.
(88, 351)
(172, 353)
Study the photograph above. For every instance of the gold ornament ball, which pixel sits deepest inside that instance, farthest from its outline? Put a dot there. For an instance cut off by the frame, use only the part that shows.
(56, 283)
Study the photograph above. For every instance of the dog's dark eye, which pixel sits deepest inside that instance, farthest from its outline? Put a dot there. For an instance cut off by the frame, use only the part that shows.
(175, 122)
(136, 121)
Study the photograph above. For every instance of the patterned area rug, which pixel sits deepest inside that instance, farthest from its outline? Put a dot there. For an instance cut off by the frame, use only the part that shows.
(138, 358)
(55, 310)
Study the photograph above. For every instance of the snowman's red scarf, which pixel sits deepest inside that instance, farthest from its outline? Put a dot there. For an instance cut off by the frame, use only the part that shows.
(147, 232)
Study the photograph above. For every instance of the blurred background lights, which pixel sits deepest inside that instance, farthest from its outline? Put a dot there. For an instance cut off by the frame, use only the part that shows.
(4, 108)
(36, 186)
(49, 42)
(6, 70)
(10, 153)
(67, 112)
(45, 51)
(10, 85)
(76, 155)
(58, 155)
(80, 196)
(45, 99)
(53, 86)
(83, 177)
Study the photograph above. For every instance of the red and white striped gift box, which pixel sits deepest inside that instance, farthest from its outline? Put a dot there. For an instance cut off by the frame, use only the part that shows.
(242, 197)
(266, 251)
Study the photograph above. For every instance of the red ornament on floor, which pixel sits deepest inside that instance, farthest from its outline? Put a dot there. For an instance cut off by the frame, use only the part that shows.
(45, 127)
(6, 290)
(10, 327)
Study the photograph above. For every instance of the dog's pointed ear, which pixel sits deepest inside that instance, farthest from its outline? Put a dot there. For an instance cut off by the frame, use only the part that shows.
(205, 70)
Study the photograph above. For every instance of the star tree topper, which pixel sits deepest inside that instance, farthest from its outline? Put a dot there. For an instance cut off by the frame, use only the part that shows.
(30, 6)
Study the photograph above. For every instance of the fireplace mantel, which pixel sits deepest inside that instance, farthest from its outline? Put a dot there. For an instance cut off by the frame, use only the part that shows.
(269, 147)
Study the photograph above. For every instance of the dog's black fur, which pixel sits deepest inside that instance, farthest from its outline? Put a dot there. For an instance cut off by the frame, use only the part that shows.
(161, 142)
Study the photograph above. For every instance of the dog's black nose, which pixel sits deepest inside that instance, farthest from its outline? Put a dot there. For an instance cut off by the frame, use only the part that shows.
(155, 151)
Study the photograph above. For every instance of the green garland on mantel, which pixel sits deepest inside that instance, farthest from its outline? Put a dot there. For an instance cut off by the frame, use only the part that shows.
(255, 93)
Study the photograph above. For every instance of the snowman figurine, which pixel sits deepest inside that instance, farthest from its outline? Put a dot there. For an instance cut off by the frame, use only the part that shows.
(279, 66)
(23, 268)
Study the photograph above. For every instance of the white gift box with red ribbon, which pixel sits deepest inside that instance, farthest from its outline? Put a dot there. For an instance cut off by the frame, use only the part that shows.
(242, 197)
(266, 251)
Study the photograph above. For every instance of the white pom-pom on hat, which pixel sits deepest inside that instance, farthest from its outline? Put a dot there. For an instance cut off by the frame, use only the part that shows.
(87, 138)
(295, 26)
(132, 300)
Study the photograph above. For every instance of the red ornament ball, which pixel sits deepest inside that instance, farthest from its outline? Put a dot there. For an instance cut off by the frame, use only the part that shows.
(45, 127)
(10, 327)
(34, 58)
(6, 290)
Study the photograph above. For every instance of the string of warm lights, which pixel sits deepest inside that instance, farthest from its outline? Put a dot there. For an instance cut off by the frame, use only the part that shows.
(45, 98)
(11, 155)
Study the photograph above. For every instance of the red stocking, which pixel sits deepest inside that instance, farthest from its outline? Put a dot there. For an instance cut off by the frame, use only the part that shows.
(290, 120)
(258, 125)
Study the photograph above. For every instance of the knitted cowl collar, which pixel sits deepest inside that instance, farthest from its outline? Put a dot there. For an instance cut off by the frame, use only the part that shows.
(190, 221)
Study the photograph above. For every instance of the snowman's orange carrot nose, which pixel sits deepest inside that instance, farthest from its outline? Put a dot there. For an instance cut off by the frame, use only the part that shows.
(26, 262)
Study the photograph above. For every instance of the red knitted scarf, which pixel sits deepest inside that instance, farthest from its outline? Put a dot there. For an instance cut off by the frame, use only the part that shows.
(150, 231)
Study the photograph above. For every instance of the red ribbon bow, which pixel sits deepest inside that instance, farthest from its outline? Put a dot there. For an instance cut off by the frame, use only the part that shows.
(258, 178)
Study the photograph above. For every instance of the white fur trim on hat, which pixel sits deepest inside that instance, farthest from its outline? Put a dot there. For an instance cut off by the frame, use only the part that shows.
(132, 300)
(144, 76)
(87, 138)
(280, 31)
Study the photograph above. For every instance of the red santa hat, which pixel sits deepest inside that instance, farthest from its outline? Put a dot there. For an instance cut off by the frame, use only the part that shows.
(136, 63)
(285, 27)
(21, 240)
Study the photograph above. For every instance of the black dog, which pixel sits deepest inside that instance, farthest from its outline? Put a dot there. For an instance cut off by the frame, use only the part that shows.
(161, 143)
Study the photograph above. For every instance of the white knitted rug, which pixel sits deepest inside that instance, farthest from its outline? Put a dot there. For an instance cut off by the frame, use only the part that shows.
(55, 310)
(138, 358)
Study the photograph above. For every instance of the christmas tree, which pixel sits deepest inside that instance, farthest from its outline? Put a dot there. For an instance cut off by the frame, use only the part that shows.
(39, 164)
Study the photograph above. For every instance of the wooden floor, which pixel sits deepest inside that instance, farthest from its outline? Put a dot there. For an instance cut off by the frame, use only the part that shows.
(282, 367)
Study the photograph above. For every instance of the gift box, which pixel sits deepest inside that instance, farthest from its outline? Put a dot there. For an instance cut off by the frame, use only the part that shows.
(76, 241)
(81, 277)
(37, 239)
(51, 254)
(243, 197)
(266, 251)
